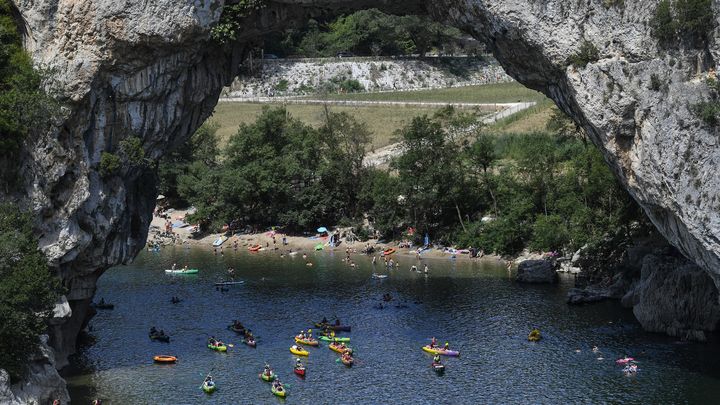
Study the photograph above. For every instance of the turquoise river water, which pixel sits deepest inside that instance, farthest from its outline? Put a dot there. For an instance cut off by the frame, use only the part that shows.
(473, 305)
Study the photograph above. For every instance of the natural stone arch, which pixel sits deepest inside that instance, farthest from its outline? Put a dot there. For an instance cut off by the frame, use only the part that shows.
(149, 69)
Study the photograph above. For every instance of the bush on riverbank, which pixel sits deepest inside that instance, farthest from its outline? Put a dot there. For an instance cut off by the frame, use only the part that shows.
(27, 290)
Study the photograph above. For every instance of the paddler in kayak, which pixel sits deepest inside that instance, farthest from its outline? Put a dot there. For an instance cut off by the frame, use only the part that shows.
(174, 266)
(433, 342)
(436, 359)
(298, 364)
(309, 334)
(447, 346)
(324, 321)
(267, 370)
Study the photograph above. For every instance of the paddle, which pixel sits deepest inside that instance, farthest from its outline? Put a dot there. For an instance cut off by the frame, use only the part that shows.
(208, 375)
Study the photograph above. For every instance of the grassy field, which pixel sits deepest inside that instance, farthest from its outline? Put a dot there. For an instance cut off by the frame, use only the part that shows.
(490, 93)
(381, 121)
(533, 119)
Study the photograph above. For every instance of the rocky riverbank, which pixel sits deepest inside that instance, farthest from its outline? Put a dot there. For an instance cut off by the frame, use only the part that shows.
(667, 293)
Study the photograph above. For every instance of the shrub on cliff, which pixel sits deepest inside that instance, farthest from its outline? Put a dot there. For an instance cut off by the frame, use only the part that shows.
(27, 290)
(587, 53)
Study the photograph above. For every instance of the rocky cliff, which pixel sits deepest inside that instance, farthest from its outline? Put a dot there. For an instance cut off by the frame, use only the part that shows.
(293, 77)
(148, 69)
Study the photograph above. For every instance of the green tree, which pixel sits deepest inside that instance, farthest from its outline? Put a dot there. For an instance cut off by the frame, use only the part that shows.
(695, 19)
(428, 170)
(201, 147)
(663, 23)
(27, 290)
(346, 141)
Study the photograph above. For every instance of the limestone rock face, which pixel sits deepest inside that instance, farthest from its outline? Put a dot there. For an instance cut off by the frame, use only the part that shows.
(42, 386)
(675, 297)
(663, 154)
(148, 69)
(536, 272)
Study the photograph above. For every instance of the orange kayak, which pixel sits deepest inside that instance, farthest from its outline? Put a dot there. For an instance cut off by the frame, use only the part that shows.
(254, 248)
(162, 358)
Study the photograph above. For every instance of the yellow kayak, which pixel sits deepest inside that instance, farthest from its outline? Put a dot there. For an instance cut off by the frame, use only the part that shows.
(297, 352)
(307, 342)
(440, 350)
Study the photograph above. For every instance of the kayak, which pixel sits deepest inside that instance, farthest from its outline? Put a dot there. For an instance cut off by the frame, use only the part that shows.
(208, 388)
(236, 330)
(307, 342)
(160, 338)
(438, 368)
(266, 377)
(163, 358)
(379, 276)
(279, 391)
(300, 371)
(337, 328)
(441, 351)
(389, 251)
(222, 283)
(254, 248)
(625, 360)
(339, 348)
(251, 343)
(218, 348)
(347, 361)
(219, 241)
(299, 352)
(335, 339)
(182, 271)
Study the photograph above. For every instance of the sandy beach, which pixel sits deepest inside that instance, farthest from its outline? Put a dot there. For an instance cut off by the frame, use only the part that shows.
(292, 243)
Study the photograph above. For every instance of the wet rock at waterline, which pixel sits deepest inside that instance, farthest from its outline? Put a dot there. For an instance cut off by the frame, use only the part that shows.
(536, 272)
(676, 297)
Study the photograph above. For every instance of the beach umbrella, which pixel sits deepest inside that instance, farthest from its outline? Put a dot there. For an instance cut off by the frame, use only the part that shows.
(322, 229)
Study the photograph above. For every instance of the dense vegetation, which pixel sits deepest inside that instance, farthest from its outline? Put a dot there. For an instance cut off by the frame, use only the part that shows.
(27, 290)
(688, 22)
(23, 105)
(369, 32)
(454, 180)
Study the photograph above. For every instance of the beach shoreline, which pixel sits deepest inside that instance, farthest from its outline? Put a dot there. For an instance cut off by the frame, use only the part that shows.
(279, 243)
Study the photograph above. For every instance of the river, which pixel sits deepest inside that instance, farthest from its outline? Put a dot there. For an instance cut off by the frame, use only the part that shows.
(473, 305)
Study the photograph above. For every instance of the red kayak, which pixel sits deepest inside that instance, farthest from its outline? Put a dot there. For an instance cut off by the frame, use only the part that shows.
(300, 371)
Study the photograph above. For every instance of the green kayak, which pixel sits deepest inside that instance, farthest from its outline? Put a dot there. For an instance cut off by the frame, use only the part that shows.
(182, 271)
(335, 339)
(209, 388)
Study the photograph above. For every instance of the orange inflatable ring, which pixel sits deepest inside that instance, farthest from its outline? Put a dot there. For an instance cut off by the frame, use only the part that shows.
(165, 359)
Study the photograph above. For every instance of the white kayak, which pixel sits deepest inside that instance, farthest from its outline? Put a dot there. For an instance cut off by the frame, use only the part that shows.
(229, 283)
